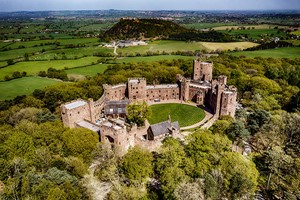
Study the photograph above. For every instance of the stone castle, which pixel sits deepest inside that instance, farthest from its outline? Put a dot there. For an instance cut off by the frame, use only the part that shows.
(106, 115)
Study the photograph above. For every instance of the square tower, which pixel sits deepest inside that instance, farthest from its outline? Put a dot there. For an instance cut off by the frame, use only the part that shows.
(202, 71)
(137, 89)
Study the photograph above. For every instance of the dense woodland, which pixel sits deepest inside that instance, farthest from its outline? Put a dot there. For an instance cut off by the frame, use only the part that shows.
(41, 159)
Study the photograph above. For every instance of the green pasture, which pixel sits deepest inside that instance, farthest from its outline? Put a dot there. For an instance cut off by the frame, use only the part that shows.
(71, 53)
(250, 27)
(152, 58)
(88, 70)
(206, 25)
(95, 27)
(62, 42)
(32, 28)
(286, 52)
(19, 53)
(23, 86)
(257, 33)
(33, 67)
(162, 45)
(186, 115)
(296, 32)
(213, 46)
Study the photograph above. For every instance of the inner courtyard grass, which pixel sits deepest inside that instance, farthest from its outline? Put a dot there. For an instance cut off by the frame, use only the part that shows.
(186, 115)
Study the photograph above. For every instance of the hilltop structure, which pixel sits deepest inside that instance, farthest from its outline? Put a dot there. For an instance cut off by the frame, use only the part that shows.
(106, 115)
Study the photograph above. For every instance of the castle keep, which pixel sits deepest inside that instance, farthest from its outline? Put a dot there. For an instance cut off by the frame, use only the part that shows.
(104, 114)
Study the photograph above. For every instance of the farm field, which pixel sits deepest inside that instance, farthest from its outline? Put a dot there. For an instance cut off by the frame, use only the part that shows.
(257, 33)
(207, 25)
(186, 115)
(212, 46)
(18, 53)
(33, 67)
(296, 32)
(287, 52)
(23, 86)
(88, 70)
(261, 26)
(163, 45)
(152, 58)
(70, 53)
(96, 27)
(173, 46)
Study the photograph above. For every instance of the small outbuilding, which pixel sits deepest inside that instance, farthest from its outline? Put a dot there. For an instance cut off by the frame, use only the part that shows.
(162, 129)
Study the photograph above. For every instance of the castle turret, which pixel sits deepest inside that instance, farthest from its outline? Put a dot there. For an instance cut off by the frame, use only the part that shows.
(202, 71)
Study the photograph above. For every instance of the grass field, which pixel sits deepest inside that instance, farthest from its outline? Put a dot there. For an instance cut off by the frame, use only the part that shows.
(17, 53)
(89, 70)
(296, 32)
(33, 67)
(288, 52)
(23, 86)
(163, 45)
(207, 25)
(212, 46)
(152, 58)
(261, 26)
(186, 115)
(70, 53)
(257, 33)
(96, 27)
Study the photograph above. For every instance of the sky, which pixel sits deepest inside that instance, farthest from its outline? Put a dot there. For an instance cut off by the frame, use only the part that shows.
(41, 5)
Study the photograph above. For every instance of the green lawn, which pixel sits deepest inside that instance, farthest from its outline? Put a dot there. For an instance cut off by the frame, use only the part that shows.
(33, 67)
(23, 86)
(89, 70)
(186, 115)
(287, 52)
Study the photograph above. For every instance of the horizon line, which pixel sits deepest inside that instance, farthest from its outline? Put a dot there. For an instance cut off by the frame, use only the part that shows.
(111, 9)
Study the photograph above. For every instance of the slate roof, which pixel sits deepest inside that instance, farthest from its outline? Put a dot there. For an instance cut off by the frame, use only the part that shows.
(75, 104)
(88, 125)
(115, 107)
(162, 127)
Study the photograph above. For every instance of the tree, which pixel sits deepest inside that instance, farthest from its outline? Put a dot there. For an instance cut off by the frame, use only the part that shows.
(16, 74)
(189, 191)
(80, 142)
(137, 164)
(237, 131)
(138, 113)
(257, 119)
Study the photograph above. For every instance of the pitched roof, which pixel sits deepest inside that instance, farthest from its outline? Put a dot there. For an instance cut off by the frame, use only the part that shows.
(162, 127)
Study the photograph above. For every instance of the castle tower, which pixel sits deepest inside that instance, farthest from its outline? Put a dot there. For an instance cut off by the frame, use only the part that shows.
(137, 89)
(228, 102)
(222, 79)
(202, 71)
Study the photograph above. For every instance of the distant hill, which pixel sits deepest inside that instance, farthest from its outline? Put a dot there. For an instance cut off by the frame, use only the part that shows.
(157, 28)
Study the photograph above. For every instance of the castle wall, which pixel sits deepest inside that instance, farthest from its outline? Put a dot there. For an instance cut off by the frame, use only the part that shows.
(116, 92)
(163, 92)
